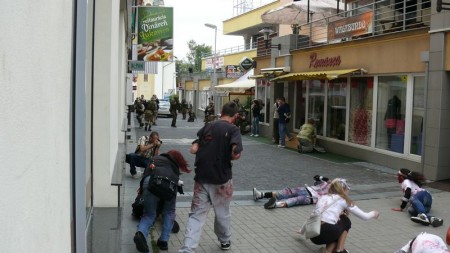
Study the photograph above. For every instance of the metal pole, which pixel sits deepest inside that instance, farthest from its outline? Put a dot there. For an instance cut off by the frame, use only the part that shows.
(214, 72)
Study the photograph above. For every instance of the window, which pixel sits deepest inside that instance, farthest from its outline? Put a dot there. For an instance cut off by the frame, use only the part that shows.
(336, 108)
(418, 112)
(300, 98)
(203, 99)
(263, 93)
(360, 118)
(391, 102)
(316, 103)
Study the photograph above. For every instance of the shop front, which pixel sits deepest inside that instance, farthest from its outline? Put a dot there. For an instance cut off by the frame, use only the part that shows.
(366, 97)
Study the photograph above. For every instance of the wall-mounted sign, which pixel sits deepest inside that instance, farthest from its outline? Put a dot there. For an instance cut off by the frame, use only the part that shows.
(351, 26)
(218, 62)
(136, 65)
(155, 33)
(233, 71)
(316, 62)
(246, 63)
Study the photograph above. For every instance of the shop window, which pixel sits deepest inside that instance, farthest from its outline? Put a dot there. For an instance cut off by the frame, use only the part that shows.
(391, 104)
(417, 115)
(316, 102)
(300, 98)
(204, 99)
(263, 93)
(360, 117)
(189, 95)
(336, 108)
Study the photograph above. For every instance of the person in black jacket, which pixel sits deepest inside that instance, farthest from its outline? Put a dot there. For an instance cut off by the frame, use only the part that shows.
(166, 160)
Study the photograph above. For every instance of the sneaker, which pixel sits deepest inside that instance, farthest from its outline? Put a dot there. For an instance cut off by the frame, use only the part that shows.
(162, 245)
(225, 245)
(421, 218)
(257, 194)
(141, 243)
(272, 203)
(281, 146)
(252, 135)
(175, 227)
(436, 222)
(256, 135)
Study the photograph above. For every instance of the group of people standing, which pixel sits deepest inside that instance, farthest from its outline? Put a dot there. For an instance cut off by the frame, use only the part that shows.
(146, 111)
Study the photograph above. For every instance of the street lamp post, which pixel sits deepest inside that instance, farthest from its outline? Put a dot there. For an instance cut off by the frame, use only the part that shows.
(214, 81)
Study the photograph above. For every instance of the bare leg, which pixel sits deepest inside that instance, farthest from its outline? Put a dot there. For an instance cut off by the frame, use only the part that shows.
(331, 247)
(341, 241)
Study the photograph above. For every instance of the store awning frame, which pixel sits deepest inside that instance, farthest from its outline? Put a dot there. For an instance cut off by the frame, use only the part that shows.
(318, 75)
(242, 84)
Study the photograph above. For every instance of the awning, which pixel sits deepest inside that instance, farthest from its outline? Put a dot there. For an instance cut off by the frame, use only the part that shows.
(317, 75)
(256, 77)
(240, 85)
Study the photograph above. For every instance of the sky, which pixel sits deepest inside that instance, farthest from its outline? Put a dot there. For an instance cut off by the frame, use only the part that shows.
(190, 17)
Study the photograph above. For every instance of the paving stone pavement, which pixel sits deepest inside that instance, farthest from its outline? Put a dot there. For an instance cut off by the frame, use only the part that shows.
(255, 229)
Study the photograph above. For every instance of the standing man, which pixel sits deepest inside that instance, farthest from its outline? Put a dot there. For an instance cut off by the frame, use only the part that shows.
(174, 107)
(276, 132)
(218, 143)
(148, 147)
(283, 111)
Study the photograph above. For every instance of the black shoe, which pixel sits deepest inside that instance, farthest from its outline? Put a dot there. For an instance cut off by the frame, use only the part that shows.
(225, 245)
(271, 203)
(162, 245)
(175, 227)
(141, 243)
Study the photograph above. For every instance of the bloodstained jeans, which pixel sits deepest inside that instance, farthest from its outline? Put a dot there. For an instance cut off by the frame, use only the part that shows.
(205, 196)
(294, 196)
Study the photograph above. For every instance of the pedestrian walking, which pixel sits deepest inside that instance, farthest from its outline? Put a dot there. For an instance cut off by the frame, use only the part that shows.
(284, 112)
(256, 113)
(276, 116)
(217, 144)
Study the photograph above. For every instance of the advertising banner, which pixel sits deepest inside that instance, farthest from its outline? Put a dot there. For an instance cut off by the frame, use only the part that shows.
(233, 71)
(155, 33)
(351, 26)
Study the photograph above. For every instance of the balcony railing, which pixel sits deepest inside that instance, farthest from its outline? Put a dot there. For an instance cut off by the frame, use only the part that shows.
(365, 21)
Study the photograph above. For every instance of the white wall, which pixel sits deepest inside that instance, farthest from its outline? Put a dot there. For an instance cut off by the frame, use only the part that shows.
(35, 79)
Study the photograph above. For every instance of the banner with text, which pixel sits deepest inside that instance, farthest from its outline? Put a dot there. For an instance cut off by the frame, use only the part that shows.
(155, 33)
(351, 26)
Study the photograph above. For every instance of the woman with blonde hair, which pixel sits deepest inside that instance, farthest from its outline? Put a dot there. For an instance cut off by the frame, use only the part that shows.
(334, 208)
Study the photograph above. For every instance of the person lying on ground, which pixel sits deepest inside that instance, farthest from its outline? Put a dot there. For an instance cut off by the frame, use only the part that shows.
(425, 243)
(420, 200)
(289, 197)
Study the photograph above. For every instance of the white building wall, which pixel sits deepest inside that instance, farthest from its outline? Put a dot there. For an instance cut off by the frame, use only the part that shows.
(35, 80)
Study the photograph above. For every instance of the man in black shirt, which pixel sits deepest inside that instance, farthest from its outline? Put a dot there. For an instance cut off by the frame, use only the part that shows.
(218, 143)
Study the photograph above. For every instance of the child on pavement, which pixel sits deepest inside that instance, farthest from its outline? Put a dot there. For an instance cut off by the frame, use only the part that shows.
(419, 198)
(289, 197)
(334, 208)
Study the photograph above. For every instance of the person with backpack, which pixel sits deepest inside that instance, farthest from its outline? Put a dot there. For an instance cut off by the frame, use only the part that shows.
(218, 143)
(170, 164)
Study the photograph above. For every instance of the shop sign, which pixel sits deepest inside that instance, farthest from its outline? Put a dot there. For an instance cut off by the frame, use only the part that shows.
(351, 26)
(315, 62)
(155, 33)
(136, 65)
(246, 63)
(233, 71)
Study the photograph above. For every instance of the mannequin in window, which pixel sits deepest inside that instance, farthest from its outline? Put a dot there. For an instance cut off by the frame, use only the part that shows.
(392, 115)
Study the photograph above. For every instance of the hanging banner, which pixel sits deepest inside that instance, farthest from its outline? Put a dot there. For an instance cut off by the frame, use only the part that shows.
(155, 33)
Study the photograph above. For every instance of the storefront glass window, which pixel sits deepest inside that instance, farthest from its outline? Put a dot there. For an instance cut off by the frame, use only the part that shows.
(300, 103)
(417, 115)
(360, 118)
(390, 133)
(336, 108)
(263, 93)
(316, 103)
(203, 99)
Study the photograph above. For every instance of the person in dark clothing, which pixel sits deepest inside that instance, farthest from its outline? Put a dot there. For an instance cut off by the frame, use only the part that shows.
(184, 108)
(219, 142)
(174, 107)
(283, 111)
(166, 160)
(256, 113)
(393, 113)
